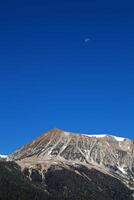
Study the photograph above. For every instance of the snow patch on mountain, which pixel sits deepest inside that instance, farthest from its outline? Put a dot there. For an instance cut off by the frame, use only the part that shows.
(120, 139)
(121, 168)
(98, 136)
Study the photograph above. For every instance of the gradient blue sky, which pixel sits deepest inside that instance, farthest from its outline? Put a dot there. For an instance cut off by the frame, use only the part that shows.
(50, 77)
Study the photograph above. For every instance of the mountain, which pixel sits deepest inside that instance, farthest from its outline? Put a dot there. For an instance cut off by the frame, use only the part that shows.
(79, 167)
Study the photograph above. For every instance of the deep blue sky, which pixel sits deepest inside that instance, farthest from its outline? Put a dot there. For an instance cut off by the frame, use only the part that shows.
(50, 77)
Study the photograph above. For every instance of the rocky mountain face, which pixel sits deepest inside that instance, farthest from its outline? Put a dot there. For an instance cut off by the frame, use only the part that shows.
(76, 166)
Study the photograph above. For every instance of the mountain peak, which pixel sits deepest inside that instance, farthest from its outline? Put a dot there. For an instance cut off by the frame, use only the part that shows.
(56, 130)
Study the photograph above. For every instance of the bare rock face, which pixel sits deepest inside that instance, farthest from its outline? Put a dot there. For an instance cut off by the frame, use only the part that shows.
(108, 154)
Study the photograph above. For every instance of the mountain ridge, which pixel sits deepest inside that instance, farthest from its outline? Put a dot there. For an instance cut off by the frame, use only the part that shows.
(103, 151)
(59, 159)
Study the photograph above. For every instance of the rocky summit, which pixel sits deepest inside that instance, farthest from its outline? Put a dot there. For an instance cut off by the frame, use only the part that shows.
(70, 166)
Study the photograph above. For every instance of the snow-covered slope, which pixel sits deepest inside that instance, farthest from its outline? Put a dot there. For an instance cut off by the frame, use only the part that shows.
(102, 136)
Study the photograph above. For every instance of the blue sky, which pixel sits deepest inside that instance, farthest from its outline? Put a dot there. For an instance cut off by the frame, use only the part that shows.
(66, 64)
